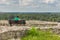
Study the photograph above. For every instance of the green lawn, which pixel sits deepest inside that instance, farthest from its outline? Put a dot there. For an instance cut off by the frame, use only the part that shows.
(34, 34)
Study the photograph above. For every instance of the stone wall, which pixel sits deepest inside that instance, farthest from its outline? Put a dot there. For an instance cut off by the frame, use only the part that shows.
(18, 32)
(11, 34)
(31, 23)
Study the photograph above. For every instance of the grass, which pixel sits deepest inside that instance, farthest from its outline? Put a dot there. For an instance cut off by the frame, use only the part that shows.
(34, 34)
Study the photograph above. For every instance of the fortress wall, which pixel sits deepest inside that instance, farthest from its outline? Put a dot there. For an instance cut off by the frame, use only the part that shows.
(41, 23)
(31, 22)
(4, 23)
(20, 33)
(11, 34)
(17, 32)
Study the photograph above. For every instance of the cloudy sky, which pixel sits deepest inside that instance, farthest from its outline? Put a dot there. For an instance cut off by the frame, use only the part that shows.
(9, 5)
(29, 5)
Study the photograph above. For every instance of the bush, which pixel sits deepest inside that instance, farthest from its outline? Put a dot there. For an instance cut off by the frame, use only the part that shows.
(34, 34)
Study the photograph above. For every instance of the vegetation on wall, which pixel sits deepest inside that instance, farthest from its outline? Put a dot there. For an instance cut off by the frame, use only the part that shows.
(34, 34)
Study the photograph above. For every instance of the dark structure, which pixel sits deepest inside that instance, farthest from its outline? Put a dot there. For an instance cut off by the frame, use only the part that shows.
(23, 22)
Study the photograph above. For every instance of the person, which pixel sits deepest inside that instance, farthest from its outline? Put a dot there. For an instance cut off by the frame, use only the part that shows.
(16, 19)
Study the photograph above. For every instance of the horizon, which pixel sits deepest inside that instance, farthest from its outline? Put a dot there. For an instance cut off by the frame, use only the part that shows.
(27, 12)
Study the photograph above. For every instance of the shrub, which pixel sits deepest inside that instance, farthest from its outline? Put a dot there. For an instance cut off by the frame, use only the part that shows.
(34, 34)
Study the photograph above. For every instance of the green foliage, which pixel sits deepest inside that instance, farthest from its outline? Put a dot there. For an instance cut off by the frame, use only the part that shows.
(34, 34)
(33, 16)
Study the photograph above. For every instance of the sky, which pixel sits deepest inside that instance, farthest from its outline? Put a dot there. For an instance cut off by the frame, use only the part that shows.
(29, 5)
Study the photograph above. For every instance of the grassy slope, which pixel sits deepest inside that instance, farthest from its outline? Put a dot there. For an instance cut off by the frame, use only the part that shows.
(34, 34)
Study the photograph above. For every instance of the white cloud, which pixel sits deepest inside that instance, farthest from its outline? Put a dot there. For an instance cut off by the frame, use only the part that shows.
(34, 2)
(4, 2)
(8, 2)
(9, 5)
(25, 2)
(48, 1)
(35, 6)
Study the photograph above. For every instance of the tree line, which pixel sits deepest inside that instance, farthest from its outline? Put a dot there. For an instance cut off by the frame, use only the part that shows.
(32, 16)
